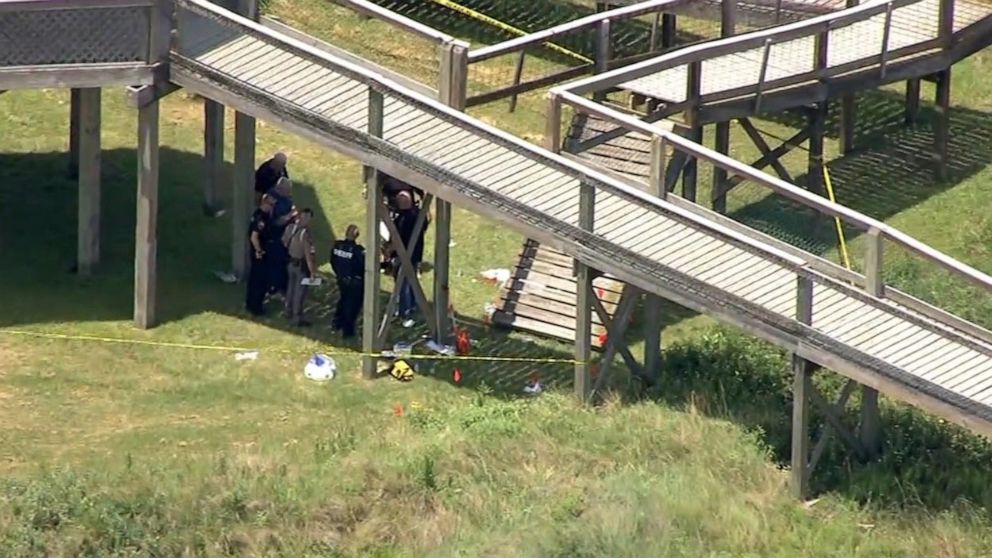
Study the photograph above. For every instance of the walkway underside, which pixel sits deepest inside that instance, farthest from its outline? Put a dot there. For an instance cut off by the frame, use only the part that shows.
(654, 245)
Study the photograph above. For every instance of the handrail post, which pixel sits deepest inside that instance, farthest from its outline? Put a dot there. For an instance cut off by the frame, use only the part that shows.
(874, 284)
(603, 54)
(371, 307)
(658, 164)
(945, 21)
(583, 299)
(883, 58)
(552, 127)
(453, 74)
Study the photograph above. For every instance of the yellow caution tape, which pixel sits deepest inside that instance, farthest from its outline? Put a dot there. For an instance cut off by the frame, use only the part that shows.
(225, 348)
(840, 229)
(505, 27)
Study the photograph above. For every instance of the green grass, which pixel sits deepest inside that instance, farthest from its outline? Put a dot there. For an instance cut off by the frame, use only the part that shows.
(124, 450)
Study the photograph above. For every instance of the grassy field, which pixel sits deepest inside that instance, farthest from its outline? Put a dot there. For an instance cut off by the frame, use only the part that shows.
(139, 450)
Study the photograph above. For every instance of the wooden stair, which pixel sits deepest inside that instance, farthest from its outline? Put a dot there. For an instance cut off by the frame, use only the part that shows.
(539, 297)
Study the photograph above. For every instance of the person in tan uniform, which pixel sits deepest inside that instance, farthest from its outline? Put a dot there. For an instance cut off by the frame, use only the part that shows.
(299, 245)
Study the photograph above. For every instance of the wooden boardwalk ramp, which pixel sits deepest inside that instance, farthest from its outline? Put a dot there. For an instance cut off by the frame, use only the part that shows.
(847, 322)
(539, 298)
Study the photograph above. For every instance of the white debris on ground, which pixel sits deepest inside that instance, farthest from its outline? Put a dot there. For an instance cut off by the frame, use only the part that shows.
(247, 355)
(320, 368)
(496, 275)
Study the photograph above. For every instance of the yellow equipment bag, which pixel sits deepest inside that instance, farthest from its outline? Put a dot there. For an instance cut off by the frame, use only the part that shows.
(401, 370)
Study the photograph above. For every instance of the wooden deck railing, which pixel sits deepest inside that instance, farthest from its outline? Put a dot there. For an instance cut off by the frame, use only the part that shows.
(811, 49)
(45, 43)
(877, 232)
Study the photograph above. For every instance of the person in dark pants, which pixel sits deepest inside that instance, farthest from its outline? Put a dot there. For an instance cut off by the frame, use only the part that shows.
(405, 219)
(269, 173)
(283, 214)
(259, 234)
(348, 263)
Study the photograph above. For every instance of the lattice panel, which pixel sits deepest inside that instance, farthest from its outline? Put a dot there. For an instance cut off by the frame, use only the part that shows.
(74, 36)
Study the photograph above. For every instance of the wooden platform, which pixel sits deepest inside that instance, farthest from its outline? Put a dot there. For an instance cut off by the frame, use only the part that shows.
(540, 296)
(919, 354)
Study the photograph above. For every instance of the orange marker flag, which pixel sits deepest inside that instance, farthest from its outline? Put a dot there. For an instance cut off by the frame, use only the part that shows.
(398, 409)
(457, 376)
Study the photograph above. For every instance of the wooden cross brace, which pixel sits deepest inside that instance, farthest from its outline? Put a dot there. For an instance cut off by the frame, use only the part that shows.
(832, 412)
(616, 330)
(769, 156)
(407, 271)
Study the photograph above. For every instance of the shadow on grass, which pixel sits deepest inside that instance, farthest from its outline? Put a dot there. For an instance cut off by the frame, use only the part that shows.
(38, 234)
(629, 37)
(891, 171)
(925, 463)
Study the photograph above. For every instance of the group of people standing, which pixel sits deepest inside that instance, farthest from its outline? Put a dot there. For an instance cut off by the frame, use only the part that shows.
(283, 252)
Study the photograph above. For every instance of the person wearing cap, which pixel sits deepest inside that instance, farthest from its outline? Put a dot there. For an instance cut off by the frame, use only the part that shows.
(348, 263)
(259, 236)
(269, 172)
(301, 250)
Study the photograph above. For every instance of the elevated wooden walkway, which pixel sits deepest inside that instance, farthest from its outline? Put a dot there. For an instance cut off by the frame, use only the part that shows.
(927, 361)
(540, 296)
(802, 63)
(823, 315)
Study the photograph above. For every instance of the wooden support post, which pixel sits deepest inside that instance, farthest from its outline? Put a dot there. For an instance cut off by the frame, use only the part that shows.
(718, 198)
(653, 38)
(213, 154)
(452, 91)
(669, 31)
(802, 387)
(372, 309)
(518, 73)
(243, 196)
(912, 101)
(603, 53)
(583, 300)
(718, 194)
(442, 261)
(848, 119)
(871, 423)
(942, 123)
(817, 125)
(72, 169)
(802, 384)
(945, 22)
(74, 102)
(695, 133)
(88, 144)
(728, 17)
(652, 337)
(146, 225)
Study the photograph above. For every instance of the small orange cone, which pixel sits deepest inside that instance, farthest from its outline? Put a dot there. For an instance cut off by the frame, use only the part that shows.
(457, 376)
(398, 409)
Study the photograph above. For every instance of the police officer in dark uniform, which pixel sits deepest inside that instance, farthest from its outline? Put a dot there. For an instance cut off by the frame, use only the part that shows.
(259, 233)
(348, 263)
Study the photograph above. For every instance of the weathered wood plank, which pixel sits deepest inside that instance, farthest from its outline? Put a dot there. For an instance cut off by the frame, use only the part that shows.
(146, 223)
(88, 221)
